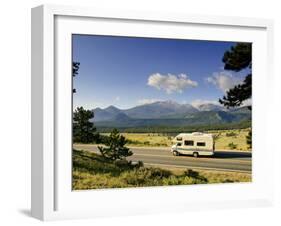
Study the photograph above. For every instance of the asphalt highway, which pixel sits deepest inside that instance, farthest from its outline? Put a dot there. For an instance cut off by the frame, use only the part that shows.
(226, 160)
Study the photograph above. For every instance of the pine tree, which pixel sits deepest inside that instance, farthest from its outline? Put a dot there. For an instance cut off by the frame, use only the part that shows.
(239, 57)
(83, 129)
(115, 147)
(75, 69)
(249, 139)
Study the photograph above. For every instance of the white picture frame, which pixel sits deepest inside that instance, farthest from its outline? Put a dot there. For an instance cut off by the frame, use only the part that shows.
(52, 197)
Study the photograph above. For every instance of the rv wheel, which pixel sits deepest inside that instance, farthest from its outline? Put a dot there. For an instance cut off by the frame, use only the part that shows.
(195, 154)
(175, 153)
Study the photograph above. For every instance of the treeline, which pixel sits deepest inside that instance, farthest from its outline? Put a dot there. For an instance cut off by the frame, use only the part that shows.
(174, 130)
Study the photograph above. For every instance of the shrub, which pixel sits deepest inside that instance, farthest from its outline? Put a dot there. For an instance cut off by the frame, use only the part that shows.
(159, 173)
(123, 163)
(139, 164)
(232, 146)
(230, 134)
(194, 174)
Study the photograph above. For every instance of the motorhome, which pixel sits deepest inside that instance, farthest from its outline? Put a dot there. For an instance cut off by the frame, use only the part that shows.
(196, 144)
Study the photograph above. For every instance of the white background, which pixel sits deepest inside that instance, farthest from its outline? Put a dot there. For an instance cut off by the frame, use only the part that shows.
(15, 112)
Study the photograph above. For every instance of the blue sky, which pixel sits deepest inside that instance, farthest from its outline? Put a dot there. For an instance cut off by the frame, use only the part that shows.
(125, 71)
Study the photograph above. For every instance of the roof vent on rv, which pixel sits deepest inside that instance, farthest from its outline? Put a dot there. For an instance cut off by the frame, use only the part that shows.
(197, 133)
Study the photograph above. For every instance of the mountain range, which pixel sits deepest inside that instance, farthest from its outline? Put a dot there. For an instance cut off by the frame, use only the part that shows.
(168, 113)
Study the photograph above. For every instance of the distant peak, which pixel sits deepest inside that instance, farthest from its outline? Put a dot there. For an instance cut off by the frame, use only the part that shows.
(171, 102)
(111, 107)
(167, 102)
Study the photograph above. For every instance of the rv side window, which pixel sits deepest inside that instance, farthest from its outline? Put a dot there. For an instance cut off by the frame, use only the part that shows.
(179, 138)
(188, 142)
(201, 144)
(178, 144)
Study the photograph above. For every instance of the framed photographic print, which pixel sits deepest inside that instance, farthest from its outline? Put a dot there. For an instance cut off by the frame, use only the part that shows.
(136, 113)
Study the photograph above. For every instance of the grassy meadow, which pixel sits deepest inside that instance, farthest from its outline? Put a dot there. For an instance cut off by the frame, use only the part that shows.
(231, 139)
(234, 139)
(91, 171)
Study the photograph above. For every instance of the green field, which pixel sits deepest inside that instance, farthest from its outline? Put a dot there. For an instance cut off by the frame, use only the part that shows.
(224, 139)
(91, 171)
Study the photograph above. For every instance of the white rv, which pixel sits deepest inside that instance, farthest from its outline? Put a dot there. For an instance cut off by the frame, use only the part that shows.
(193, 144)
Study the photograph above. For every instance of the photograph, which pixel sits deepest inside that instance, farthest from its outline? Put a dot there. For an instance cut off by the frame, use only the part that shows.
(150, 111)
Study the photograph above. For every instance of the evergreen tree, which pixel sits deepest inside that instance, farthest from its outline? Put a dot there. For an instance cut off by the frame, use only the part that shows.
(239, 57)
(249, 139)
(115, 147)
(83, 129)
(75, 69)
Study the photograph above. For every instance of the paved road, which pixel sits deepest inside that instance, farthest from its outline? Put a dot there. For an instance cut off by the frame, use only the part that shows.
(222, 160)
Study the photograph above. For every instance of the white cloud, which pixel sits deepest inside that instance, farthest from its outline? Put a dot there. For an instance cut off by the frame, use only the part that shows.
(148, 101)
(223, 80)
(198, 102)
(171, 83)
(117, 98)
(247, 102)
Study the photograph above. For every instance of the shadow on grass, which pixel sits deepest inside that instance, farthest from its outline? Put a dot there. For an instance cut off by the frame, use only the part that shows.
(95, 164)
